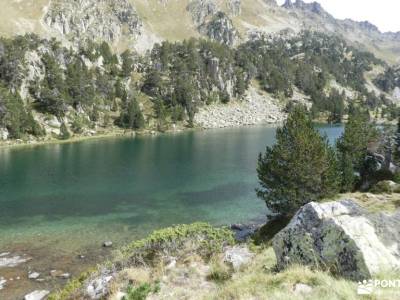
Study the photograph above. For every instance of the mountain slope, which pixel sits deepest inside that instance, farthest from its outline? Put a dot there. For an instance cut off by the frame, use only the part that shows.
(140, 23)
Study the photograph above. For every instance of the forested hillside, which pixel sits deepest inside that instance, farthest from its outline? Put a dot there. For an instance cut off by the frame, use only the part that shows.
(48, 89)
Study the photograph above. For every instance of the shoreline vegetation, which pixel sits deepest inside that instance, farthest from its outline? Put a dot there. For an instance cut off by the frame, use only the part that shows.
(15, 144)
(216, 265)
(11, 144)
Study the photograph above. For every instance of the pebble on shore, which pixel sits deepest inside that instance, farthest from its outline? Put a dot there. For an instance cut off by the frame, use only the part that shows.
(33, 275)
(37, 295)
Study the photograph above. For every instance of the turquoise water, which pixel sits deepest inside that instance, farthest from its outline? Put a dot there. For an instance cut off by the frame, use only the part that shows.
(71, 196)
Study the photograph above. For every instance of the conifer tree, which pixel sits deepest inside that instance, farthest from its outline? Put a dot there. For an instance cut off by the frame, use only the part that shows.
(353, 148)
(396, 152)
(131, 117)
(64, 132)
(301, 167)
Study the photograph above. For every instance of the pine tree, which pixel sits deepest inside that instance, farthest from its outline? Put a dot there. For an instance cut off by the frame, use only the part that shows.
(79, 82)
(348, 176)
(396, 152)
(353, 147)
(161, 113)
(301, 167)
(127, 63)
(64, 132)
(131, 117)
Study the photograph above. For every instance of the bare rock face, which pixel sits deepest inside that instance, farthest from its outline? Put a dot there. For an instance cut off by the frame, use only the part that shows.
(201, 10)
(341, 237)
(104, 20)
(396, 93)
(214, 23)
(235, 7)
(221, 29)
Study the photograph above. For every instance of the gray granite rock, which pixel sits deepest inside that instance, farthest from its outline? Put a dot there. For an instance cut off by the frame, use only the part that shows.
(33, 275)
(340, 236)
(37, 295)
(98, 287)
(2, 282)
(237, 256)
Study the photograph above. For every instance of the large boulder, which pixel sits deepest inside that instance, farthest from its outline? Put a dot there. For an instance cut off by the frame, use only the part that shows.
(341, 237)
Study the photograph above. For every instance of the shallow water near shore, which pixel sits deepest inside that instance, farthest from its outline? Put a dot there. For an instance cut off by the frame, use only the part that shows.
(61, 201)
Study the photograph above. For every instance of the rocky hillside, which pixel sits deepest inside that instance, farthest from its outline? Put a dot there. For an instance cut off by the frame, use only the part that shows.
(139, 23)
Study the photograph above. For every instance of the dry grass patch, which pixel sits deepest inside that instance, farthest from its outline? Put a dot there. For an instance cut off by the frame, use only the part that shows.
(260, 281)
(374, 203)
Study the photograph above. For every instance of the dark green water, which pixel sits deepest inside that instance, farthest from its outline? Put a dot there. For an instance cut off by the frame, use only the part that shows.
(72, 196)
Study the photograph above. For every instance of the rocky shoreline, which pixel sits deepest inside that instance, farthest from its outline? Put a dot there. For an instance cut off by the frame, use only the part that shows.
(25, 275)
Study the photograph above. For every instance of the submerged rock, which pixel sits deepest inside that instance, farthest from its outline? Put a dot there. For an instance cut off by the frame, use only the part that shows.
(2, 282)
(65, 276)
(237, 227)
(55, 273)
(33, 275)
(340, 236)
(107, 244)
(10, 262)
(244, 232)
(37, 295)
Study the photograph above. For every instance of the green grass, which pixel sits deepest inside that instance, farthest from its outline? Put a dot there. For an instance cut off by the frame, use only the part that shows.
(200, 238)
(71, 287)
(141, 292)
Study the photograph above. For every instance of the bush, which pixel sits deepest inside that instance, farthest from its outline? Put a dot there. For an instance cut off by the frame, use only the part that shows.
(141, 292)
(78, 124)
(202, 238)
(219, 272)
(385, 187)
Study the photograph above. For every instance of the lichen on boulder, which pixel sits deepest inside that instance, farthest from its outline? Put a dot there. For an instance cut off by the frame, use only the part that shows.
(341, 237)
